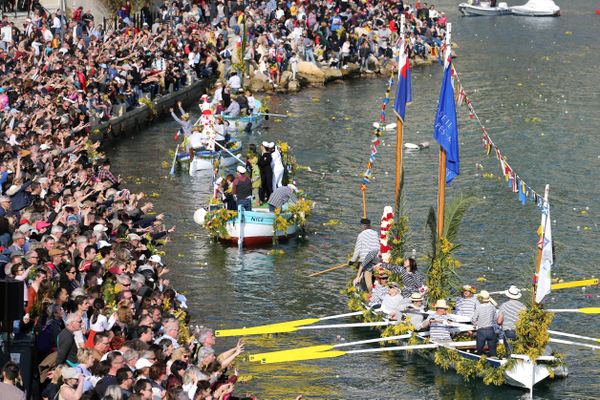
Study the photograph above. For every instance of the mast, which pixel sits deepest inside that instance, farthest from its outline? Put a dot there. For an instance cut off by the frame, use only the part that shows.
(540, 247)
(399, 126)
(441, 200)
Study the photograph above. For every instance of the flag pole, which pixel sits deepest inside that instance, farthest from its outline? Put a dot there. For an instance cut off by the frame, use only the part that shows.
(441, 201)
(399, 125)
(540, 247)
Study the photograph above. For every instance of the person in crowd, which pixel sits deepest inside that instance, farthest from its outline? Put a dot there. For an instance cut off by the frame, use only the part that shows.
(66, 345)
(483, 319)
(508, 315)
(10, 378)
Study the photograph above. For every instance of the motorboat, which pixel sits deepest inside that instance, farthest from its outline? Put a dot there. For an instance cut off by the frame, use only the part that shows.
(537, 8)
(483, 9)
(204, 159)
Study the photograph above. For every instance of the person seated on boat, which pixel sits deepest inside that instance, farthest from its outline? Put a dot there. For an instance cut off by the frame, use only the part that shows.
(243, 102)
(218, 95)
(222, 130)
(364, 274)
(227, 194)
(483, 319)
(217, 188)
(196, 141)
(392, 300)
(438, 323)
(508, 315)
(467, 303)
(233, 110)
(413, 280)
(186, 124)
(415, 311)
(234, 82)
(282, 196)
(380, 287)
(251, 102)
(242, 189)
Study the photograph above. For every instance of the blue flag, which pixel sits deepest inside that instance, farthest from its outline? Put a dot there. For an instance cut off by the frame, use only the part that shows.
(403, 92)
(445, 128)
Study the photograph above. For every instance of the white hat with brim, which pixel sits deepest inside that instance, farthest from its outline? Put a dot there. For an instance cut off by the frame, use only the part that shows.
(416, 297)
(513, 292)
(265, 144)
(441, 304)
(142, 363)
(241, 170)
(156, 258)
(484, 296)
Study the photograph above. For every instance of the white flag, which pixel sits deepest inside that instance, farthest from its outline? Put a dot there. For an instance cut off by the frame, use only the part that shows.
(544, 280)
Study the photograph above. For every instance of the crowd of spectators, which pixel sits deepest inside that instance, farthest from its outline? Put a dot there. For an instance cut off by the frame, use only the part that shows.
(105, 320)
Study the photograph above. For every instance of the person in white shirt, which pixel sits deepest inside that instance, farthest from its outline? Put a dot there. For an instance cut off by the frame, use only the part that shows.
(235, 82)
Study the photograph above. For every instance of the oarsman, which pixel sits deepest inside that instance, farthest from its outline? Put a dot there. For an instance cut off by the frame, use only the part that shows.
(438, 323)
(367, 243)
(380, 287)
(467, 303)
(483, 319)
(508, 315)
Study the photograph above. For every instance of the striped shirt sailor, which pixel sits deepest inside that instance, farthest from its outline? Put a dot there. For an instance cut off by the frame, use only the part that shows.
(510, 310)
(439, 330)
(378, 293)
(484, 316)
(466, 306)
(367, 241)
(413, 281)
(281, 196)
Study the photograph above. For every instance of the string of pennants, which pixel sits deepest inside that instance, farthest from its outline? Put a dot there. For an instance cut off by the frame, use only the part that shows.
(515, 182)
(376, 141)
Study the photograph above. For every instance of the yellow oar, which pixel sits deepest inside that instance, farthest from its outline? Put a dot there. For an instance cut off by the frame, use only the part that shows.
(586, 310)
(303, 356)
(319, 348)
(280, 327)
(572, 284)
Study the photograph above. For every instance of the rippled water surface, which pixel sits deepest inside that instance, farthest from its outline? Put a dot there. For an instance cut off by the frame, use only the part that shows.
(515, 70)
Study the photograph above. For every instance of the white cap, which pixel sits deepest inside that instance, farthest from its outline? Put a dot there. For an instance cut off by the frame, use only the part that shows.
(103, 243)
(156, 258)
(142, 363)
(265, 144)
(241, 170)
(293, 187)
(271, 145)
(100, 228)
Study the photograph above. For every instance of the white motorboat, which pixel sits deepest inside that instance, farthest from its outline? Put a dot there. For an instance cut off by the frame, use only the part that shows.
(204, 159)
(537, 8)
(483, 9)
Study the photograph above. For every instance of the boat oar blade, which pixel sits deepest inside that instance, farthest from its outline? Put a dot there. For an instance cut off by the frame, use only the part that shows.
(590, 310)
(281, 327)
(302, 356)
(259, 357)
(567, 285)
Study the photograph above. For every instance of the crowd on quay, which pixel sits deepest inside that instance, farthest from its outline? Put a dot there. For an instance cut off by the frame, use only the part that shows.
(106, 321)
(407, 297)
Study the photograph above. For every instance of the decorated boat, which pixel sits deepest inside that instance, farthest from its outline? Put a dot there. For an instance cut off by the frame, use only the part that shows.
(250, 122)
(204, 159)
(537, 8)
(483, 9)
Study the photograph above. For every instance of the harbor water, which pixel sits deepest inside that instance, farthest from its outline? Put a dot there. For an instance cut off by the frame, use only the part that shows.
(535, 86)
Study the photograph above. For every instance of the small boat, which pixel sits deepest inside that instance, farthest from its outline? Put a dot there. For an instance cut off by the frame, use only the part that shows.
(249, 228)
(483, 9)
(537, 8)
(248, 122)
(204, 159)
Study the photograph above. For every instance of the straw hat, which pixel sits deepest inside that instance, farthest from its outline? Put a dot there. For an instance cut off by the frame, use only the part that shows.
(468, 288)
(484, 296)
(416, 297)
(440, 304)
(513, 292)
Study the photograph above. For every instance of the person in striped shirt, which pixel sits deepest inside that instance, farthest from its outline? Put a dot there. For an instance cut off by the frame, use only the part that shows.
(508, 315)
(380, 287)
(439, 329)
(466, 304)
(484, 318)
(367, 244)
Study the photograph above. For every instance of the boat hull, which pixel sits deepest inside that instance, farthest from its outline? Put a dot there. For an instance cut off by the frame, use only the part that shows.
(255, 228)
(247, 123)
(537, 8)
(203, 159)
(484, 9)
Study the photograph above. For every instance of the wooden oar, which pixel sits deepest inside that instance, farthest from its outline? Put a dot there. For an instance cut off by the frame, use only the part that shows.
(230, 153)
(561, 341)
(172, 171)
(586, 310)
(293, 326)
(302, 356)
(573, 336)
(328, 270)
(312, 349)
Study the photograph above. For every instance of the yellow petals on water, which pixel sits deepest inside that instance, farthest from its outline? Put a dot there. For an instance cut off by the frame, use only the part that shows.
(154, 194)
(332, 222)
(482, 279)
(165, 165)
(583, 212)
(568, 33)
(275, 252)
(488, 175)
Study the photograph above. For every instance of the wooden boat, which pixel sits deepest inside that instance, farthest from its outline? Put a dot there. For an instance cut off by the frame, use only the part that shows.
(247, 123)
(250, 228)
(483, 9)
(537, 8)
(204, 159)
